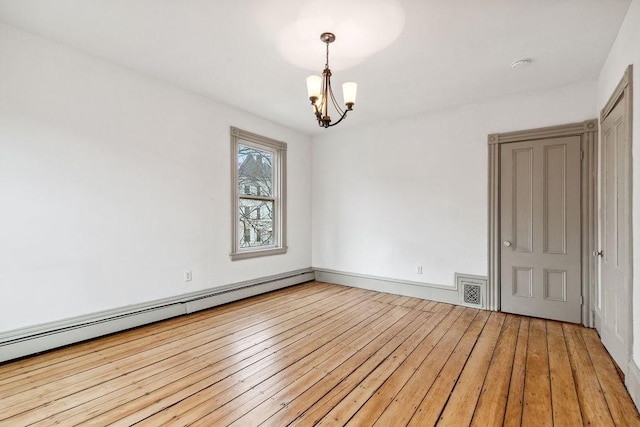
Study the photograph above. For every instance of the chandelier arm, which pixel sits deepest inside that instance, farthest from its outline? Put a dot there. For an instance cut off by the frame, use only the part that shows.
(316, 111)
(319, 116)
(341, 118)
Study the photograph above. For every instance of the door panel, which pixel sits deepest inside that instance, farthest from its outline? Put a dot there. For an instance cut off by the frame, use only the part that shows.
(555, 285)
(523, 282)
(523, 193)
(612, 309)
(540, 227)
(555, 221)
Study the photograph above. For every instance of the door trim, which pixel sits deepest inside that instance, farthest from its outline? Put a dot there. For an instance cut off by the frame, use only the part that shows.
(623, 88)
(587, 131)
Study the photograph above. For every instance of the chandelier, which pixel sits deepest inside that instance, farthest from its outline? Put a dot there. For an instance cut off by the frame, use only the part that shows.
(321, 94)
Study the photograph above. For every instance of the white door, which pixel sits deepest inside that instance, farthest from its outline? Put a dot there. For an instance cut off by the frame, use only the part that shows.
(540, 261)
(613, 293)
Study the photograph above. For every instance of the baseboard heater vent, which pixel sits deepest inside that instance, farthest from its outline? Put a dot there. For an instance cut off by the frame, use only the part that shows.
(35, 339)
(472, 290)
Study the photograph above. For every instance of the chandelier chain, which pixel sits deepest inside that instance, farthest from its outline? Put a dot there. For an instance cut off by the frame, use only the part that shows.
(326, 63)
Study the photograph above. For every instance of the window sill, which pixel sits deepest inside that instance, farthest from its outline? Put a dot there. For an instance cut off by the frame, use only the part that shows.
(236, 256)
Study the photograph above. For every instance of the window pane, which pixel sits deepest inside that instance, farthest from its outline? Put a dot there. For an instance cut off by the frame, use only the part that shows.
(255, 171)
(255, 225)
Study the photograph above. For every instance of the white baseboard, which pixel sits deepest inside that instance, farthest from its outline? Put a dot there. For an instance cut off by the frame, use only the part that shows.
(440, 293)
(632, 380)
(35, 339)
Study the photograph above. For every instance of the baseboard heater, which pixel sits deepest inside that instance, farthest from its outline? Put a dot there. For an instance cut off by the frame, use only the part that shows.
(35, 339)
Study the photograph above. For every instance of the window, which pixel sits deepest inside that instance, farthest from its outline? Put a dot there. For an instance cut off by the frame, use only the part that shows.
(258, 195)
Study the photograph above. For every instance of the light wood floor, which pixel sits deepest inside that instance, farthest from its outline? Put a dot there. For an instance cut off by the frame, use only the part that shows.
(325, 354)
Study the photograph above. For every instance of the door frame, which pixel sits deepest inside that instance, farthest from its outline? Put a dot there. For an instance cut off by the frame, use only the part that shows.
(588, 133)
(624, 90)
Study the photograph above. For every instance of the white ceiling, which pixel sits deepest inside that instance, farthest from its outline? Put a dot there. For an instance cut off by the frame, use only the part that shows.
(447, 52)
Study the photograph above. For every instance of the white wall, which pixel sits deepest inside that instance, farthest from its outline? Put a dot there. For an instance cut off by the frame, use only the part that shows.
(625, 51)
(393, 196)
(112, 184)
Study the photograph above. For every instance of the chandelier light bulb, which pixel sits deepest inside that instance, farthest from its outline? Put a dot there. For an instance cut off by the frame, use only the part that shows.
(314, 86)
(349, 91)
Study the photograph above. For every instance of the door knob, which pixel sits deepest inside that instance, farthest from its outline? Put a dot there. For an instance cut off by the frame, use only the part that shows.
(506, 243)
(597, 253)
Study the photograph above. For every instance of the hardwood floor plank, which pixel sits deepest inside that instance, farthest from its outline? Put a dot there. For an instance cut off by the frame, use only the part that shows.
(402, 407)
(202, 403)
(436, 398)
(223, 370)
(197, 323)
(402, 301)
(422, 304)
(321, 354)
(593, 405)
(372, 397)
(243, 352)
(389, 298)
(413, 302)
(132, 361)
(348, 397)
(65, 354)
(391, 337)
(564, 398)
(620, 405)
(431, 306)
(493, 398)
(316, 368)
(462, 402)
(230, 387)
(320, 399)
(537, 386)
(515, 399)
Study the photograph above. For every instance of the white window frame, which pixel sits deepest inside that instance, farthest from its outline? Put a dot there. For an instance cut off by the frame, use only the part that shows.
(279, 163)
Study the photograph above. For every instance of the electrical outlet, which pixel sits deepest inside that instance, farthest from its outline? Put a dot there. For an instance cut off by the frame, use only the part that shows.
(188, 276)
(419, 269)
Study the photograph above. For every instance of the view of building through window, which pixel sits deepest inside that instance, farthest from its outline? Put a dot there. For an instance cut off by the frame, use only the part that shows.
(256, 197)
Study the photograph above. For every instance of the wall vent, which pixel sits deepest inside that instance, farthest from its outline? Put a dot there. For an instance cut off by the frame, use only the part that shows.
(472, 290)
(471, 294)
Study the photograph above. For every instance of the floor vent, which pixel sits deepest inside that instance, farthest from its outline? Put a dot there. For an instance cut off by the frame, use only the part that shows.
(472, 290)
